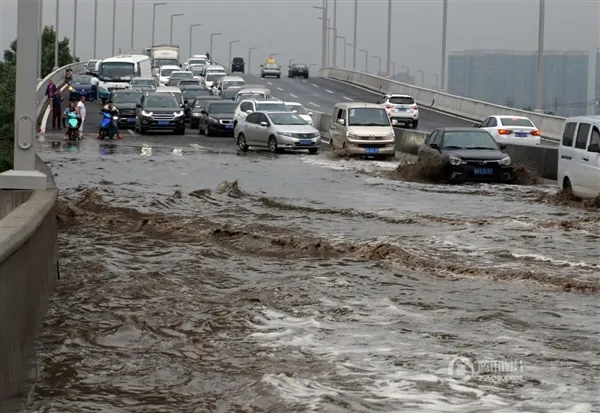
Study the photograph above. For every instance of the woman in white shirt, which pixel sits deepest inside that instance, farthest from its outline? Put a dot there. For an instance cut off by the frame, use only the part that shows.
(82, 112)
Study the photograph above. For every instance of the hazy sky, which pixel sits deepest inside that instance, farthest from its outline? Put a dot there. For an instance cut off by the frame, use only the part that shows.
(292, 29)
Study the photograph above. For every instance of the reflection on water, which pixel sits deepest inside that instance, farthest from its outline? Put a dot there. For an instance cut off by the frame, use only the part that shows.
(108, 148)
(297, 288)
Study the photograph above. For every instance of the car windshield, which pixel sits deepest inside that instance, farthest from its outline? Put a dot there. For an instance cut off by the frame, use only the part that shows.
(229, 94)
(164, 101)
(192, 93)
(182, 75)
(143, 82)
(273, 107)
(224, 107)
(177, 96)
(517, 122)
(126, 97)
(298, 108)
(115, 71)
(167, 72)
(196, 71)
(165, 62)
(300, 66)
(368, 117)
(241, 96)
(197, 61)
(81, 80)
(287, 119)
(211, 77)
(183, 82)
(469, 140)
(402, 100)
(229, 83)
(271, 66)
(238, 60)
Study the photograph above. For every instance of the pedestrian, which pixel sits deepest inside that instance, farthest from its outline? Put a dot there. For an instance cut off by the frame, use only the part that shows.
(94, 83)
(82, 112)
(50, 89)
(56, 111)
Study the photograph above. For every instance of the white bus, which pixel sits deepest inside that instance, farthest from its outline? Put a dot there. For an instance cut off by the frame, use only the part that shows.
(115, 73)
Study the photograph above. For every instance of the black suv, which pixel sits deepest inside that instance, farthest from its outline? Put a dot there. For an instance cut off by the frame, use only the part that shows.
(160, 112)
(125, 101)
(298, 70)
(237, 65)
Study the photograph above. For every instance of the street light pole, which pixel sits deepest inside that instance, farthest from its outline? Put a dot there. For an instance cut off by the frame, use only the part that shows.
(444, 39)
(95, 26)
(345, 43)
(154, 20)
(250, 58)
(335, 33)
(114, 32)
(272, 55)
(435, 76)
(366, 59)
(191, 27)
(422, 77)
(41, 32)
(393, 68)
(540, 62)
(57, 23)
(355, 29)
(324, 33)
(172, 17)
(389, 40)
(75, 29)
(379, 60)
(230, 46)
(212, 35)
(132, 22)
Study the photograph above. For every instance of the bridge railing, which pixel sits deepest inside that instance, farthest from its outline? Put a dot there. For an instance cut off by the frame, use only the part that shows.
(551, 127)
(58, 77)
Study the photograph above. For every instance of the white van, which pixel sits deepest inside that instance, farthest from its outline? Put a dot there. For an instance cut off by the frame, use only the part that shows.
(362, 129)
(579, 157)
(115, 73)
(171, 90)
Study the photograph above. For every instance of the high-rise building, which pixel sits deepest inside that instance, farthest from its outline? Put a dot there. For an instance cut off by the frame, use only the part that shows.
(509, 78)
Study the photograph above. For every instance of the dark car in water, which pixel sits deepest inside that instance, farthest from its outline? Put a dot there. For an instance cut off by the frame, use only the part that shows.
(160, 112)
(81, 85)
(216, 118)
(237, 65)
(467, 155)
(125, 101)
(196, 108)
(298, 70)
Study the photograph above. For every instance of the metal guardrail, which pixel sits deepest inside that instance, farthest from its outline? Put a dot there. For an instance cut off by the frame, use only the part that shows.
(58, 77)
(550, 126)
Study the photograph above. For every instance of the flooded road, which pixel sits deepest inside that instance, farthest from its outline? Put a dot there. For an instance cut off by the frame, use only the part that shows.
(198, 279)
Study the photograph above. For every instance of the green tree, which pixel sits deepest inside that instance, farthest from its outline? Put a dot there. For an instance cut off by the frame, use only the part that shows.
(7, 86)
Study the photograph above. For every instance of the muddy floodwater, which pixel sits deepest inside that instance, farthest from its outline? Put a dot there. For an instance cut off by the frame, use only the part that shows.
(212, 281)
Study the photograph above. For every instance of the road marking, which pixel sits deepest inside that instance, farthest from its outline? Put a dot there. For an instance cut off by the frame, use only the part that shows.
(132, 133)
(198, 147)
(315, 85)
(347, 98)
(304, 80)
(328, 91)
(280, 89)
(314, 104)
(294, 96)
(270, 83)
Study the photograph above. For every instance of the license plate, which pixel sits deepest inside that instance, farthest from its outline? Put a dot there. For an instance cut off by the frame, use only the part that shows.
(400, 110)
(130, 119)
(371, 150)
(305, 142)
(163, 122)
(230, 126)
(521, 135)
(483, 171)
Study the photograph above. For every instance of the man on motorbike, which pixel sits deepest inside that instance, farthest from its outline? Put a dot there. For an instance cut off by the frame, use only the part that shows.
(71, 110)
(113, 130)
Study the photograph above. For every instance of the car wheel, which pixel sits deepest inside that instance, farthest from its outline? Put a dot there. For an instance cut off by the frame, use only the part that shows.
(278, 76)
(312, 151)
(180, 131)
(193, 125)
(305, 76)
(241, 141)
(567, 187)
(142, 130)
(415, 124)
(273, 144)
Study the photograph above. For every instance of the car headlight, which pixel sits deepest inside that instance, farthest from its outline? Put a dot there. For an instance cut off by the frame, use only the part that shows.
(178, 114)
(195, 114)
(391, 134)
(71, 88)
(505, 161)
(350, 134)
(148, 114)
(456, 161)
(285, 134)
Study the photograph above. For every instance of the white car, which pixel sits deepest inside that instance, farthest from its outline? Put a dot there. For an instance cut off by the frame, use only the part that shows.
(579, 157)
(511, 129)
(164, 74)
(249, 106)
(401, 108)
(195, 60)
(210, 78)
(300, 111)
(196, 71)
(226, 82)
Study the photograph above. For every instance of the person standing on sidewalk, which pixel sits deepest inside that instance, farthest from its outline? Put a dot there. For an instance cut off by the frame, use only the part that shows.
(82, 112)
(50, 90)
(56, 111)
(94, 83)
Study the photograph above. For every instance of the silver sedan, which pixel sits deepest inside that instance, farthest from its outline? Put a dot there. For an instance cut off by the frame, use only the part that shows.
(277, 131)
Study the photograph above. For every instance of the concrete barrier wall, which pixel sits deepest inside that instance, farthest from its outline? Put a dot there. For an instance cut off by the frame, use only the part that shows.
(28, 273)
(550, 126)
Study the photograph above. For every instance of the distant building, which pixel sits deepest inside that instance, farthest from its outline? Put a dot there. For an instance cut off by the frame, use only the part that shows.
(509, 78)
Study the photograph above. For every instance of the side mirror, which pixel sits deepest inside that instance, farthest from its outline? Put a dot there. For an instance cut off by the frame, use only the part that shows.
(341, 121)
(477, 125)
(434, 146)
(138, 106)
(264, 124)
(248, 111)
(594, 147)
(394, 122)
(310, 113)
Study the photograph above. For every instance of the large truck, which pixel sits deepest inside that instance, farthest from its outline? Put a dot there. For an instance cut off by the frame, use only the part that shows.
(163, 54)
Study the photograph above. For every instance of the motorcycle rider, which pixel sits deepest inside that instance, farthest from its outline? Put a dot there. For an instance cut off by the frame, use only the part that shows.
(72, 109)
(112, 127)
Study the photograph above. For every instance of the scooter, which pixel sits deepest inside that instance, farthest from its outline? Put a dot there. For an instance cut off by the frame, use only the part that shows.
(106, 126)
(73, 127)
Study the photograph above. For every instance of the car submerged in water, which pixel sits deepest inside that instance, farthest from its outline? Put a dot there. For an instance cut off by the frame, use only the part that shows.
(467, 155)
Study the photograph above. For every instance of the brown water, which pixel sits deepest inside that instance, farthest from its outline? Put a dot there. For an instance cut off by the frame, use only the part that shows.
(207, 281)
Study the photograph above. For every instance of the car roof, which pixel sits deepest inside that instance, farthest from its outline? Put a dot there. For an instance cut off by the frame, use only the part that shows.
(232, 78)
(170, 67)
(181, 71)
(589, 119)
(166, 89)
(357, 105)
(511, 117)
(143, 78)
(270, 100)
(253, 90)
(398, 95)
(461, 129)
(293, 103)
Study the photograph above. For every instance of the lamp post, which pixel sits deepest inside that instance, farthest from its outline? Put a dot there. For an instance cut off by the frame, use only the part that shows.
(132, 22)
(272, 55)
(389, 40)
(366, 59)
(191, 27)
(75, 29)
(324, 33)
(172, 17)
(250, 58)
(230, 46)
(345, 45)
(379, 60)
(422, 76)
(154, 20)
(114, 31)
(540, 62)
(334, 40)
(444, 38)
(393, 68)
(95, 26)
(335, 33)
(327, 42)
(355, 29)
(435, 76)
(57, 23)
(212, 35)
(41, 32)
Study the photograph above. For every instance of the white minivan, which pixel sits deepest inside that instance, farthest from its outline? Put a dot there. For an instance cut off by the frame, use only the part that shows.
(579, 157)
